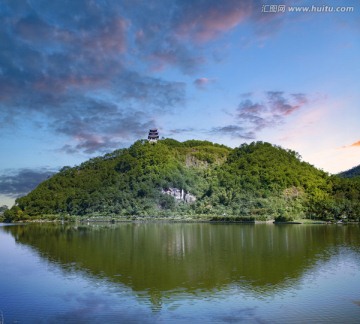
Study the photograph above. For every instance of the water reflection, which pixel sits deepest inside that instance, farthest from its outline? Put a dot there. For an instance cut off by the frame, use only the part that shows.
(162, 259)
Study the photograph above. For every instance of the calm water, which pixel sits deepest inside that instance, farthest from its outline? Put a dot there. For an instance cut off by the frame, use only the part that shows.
(180, 273)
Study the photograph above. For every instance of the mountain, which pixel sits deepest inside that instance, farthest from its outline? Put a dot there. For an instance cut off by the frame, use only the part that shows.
(193, 179)
(353, 172)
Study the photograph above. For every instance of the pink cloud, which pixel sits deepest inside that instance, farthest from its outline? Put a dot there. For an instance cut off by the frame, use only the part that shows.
(112, 37)
(202, 82)
(355, 144)
(60, 84)
(282, 105)
(7, 91)
(270, 112)
(109, 39)
(33, 29)
(169, 57)
(205, 24)
(162, 59)
(140, 37)
(89, 66)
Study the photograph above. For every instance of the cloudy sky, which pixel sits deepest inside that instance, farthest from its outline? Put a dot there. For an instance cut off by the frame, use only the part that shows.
(79, 78)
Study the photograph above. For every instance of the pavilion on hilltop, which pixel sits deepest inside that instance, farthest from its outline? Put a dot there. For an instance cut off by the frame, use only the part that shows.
(153, 135)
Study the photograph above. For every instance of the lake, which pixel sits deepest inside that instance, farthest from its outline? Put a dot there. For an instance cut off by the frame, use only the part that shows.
(179, 273)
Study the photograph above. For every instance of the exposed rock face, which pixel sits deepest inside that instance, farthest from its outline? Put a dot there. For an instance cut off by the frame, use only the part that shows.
(175, 192)
(189, 198)
(180, 194)
(192, 161)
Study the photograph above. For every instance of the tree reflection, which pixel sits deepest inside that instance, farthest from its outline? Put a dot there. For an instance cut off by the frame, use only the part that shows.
(160, 259)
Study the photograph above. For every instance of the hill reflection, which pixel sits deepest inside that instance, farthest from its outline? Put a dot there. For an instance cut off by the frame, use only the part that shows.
(163, 258)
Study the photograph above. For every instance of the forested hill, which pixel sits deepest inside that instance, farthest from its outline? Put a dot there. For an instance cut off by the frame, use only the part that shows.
(353, 172)
(193, 178)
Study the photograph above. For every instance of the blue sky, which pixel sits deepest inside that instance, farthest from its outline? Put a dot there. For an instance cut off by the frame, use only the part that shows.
(81, 78)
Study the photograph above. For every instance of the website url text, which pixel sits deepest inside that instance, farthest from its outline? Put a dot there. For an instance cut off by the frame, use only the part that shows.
(323, 8)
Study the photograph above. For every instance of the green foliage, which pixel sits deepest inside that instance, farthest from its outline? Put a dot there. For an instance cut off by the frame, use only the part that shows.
(254, 181)
(284, 218)
(3, 209)
(353, 172)
(14, 214)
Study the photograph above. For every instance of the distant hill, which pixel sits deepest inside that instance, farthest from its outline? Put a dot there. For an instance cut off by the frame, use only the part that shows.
(353, 172)
(193, 179)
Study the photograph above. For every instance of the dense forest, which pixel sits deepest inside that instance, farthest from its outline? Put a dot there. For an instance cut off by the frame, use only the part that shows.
(256, 181)
(353, 172)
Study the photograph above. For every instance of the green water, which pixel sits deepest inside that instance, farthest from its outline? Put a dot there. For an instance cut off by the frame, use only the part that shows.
(166, 273)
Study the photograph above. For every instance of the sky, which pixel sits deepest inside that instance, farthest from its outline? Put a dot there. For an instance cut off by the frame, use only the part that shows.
(81, 78)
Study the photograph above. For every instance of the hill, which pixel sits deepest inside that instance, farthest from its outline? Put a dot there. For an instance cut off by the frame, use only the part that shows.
(353, 172)
(193, 178)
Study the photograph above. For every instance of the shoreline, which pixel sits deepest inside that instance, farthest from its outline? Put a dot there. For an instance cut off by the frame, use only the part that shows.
(149, 219)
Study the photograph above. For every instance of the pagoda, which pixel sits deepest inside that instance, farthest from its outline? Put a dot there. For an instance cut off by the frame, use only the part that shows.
(153, 135)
